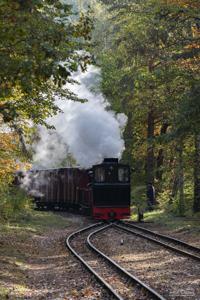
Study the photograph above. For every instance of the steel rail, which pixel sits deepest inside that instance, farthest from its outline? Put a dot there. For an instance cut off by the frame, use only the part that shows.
(177, 250)
(110, 290)
(164, 236)
(120, 269)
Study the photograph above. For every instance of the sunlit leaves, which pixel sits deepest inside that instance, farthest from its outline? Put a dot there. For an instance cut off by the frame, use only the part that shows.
(152, 63)
(36, 37)
(9, 150)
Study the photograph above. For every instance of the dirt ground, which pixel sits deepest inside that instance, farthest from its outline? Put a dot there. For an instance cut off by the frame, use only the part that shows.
(38, 266)
(34, 262)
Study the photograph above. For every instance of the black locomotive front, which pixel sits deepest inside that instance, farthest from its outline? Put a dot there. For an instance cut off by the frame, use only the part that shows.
(111, 190)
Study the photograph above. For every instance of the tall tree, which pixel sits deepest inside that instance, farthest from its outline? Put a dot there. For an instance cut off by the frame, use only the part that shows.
(196, 206)
(153, 45)
(38, 52)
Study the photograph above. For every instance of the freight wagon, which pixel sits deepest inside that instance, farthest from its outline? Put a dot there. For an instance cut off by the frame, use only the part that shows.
(102, 191)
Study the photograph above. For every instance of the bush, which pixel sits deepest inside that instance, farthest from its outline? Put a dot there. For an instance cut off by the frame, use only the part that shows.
(138, 197)
(173, 205)
(14, 201)
(165, 201)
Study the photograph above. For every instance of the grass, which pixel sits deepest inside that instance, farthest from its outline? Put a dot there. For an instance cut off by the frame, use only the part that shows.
(172, 222)
(34, 221)
(5, 292)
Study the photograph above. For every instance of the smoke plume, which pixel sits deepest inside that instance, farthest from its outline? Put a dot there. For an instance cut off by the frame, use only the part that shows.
(89, 131)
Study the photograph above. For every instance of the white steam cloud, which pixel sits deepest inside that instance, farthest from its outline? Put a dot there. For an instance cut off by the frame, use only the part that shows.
(88, 131)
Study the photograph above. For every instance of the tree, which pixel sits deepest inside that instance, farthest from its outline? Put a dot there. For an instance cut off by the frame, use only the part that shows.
(40, 43)
(189, 125)
(38, 51)
(153, 47)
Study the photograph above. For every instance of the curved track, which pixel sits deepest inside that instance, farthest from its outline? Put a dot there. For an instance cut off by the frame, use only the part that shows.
(122, 284)
(168, 242)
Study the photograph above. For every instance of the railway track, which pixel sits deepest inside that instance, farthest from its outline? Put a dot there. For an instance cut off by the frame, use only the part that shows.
(119, 283)
(168, 242)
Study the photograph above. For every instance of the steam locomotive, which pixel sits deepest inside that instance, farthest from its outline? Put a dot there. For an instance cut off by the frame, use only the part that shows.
(102, 191)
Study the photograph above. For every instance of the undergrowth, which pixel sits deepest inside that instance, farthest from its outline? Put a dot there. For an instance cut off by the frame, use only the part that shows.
(17, 211)
(171, 220)
(34, 221)
(13, 202)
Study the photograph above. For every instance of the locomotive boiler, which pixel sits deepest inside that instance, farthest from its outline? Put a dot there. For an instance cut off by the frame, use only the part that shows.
(102, 191)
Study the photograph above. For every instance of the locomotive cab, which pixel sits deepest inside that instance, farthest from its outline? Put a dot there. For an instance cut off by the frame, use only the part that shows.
(111, 190)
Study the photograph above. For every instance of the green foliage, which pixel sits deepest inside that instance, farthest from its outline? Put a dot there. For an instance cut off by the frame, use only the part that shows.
(151, 66)
(38, 221)
(172, 222)
(38, 52)
(4, 293)
(14, 202)
(138, 197)
(39, 49)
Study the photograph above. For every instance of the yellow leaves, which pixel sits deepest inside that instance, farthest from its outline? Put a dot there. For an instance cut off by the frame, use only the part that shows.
(184, 3)
(8, 142)
(87, 293)
(8, 150)
(189, 64)
(15, 95)
(193, 46)
(75, 293)
(24, 166)
(195, 31)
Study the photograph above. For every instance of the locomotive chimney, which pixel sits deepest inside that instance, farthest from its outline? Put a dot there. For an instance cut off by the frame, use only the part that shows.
(110, 160)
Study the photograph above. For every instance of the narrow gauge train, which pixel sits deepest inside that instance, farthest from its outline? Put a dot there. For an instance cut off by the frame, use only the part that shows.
(102, 191)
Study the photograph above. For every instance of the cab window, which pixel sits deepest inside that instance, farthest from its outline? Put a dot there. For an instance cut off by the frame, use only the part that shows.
(111, 174)
(123, 175)
(99, 175)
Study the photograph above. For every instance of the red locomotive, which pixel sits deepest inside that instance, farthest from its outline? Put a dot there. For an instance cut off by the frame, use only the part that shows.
(102, 191)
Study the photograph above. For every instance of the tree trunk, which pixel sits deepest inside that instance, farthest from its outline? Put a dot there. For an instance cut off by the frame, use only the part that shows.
(19, 131)
(150, 159)
(128, 139)
(174, 187)
(160, 157)
(196, 205)
(150, 148)
(181, 199)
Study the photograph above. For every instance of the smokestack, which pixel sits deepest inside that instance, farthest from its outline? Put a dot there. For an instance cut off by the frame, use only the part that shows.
(110, 160)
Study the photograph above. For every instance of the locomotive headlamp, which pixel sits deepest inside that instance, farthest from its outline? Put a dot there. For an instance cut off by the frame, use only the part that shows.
(112, 214)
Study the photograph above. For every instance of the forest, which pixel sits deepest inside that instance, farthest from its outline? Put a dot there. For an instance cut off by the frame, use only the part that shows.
(149, 56)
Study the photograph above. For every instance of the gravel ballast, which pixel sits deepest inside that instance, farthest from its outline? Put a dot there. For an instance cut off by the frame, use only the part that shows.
(173, 276)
